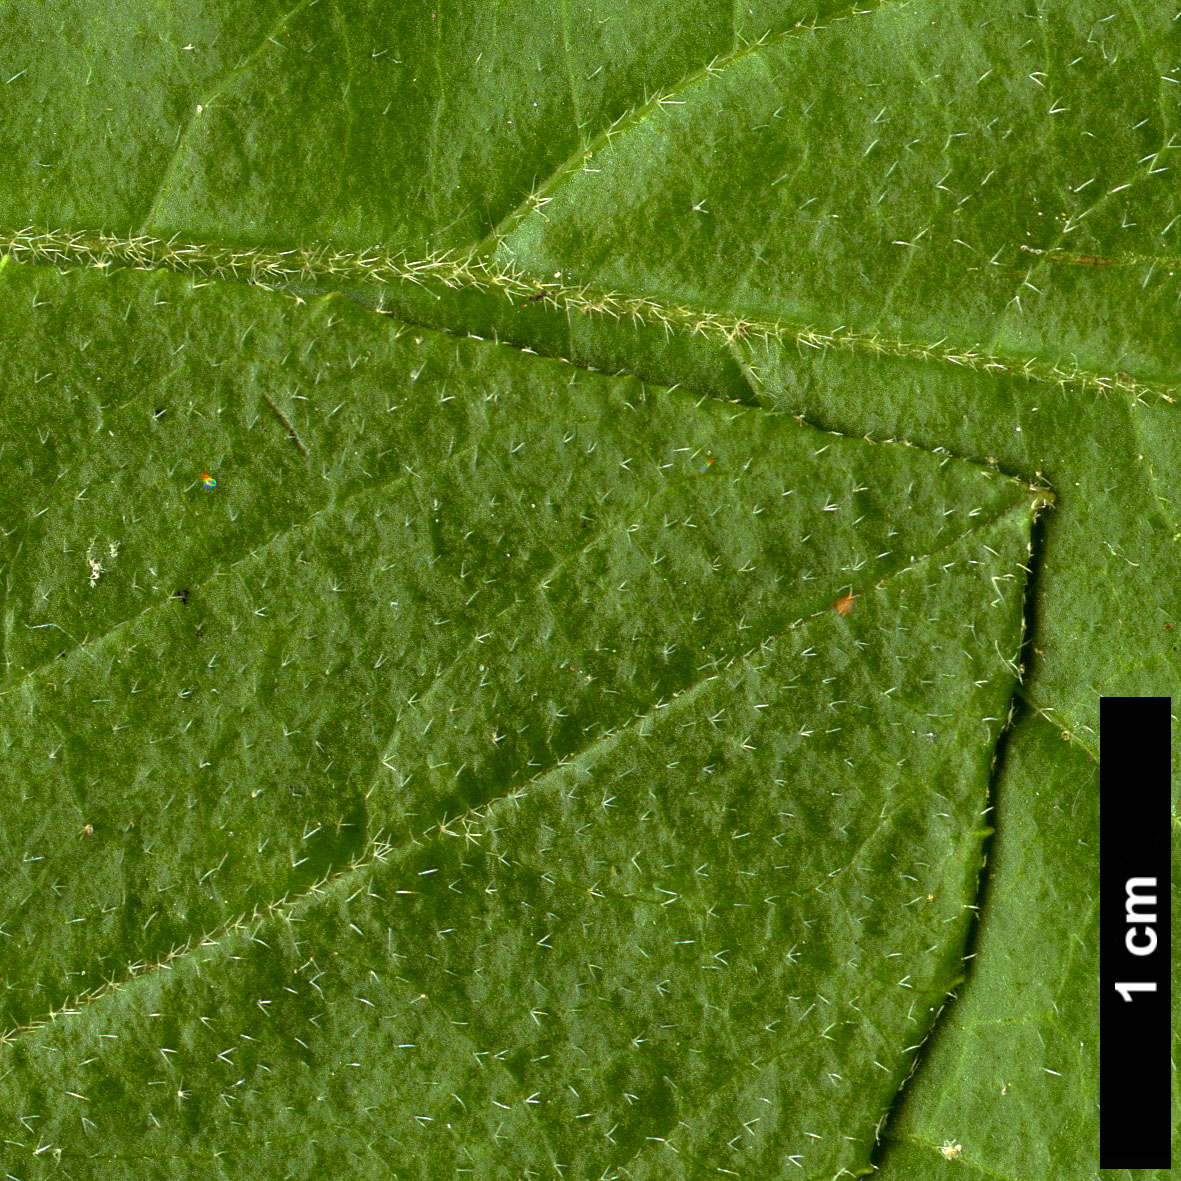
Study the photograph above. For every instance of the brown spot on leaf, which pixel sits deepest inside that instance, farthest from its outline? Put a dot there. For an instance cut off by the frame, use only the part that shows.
(844, 604)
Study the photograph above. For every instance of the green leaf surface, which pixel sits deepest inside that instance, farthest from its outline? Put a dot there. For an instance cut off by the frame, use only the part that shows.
(730, 252)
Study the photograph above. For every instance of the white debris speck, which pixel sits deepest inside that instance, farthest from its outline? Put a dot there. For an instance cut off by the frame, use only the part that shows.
(96, 567)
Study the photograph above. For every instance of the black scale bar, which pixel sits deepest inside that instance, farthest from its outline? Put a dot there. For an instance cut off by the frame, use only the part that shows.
(1135, 945)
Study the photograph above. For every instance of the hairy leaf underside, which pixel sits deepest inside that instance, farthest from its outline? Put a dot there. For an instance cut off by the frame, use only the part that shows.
(558, 565)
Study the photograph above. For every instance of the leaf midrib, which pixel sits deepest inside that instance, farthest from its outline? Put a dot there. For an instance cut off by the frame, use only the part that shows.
(272, 269)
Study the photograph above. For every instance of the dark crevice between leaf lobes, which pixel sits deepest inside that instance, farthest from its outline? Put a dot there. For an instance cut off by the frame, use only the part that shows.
(1019, 710)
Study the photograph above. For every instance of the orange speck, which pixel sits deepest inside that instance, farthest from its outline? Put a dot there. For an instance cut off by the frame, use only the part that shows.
(844, 604)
